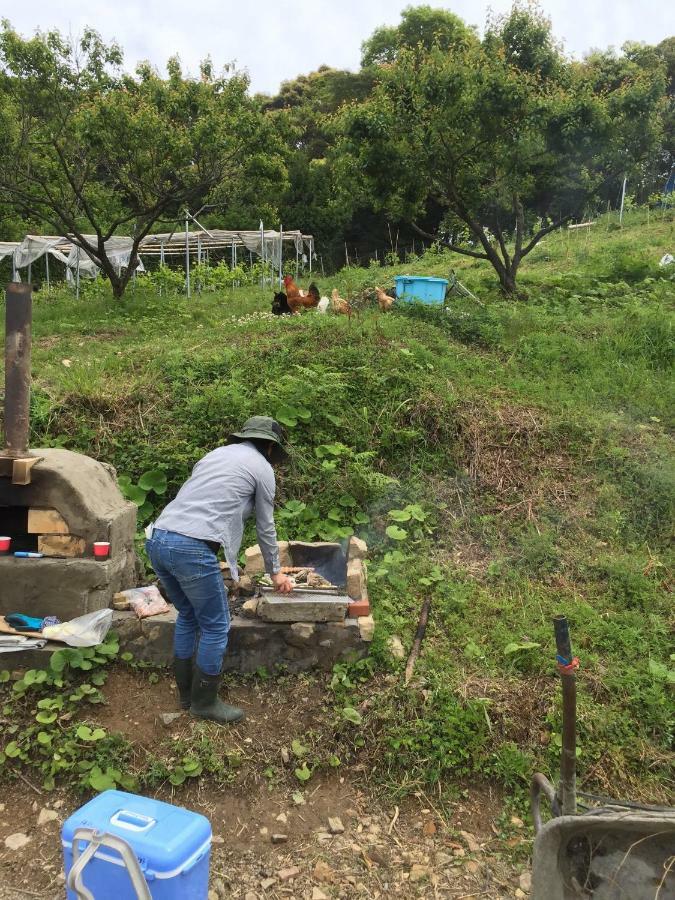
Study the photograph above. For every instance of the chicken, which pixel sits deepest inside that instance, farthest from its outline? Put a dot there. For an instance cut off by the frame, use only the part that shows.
(384, 301)
(339, 305)
(280, 305)
(323, 305)
(297, 299)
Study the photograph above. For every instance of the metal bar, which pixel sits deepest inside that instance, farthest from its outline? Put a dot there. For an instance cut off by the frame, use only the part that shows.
(262, 256)
(281, 255)
(187, 256)
(623, 197)
(311, 251)
(77, 276)
(98, 839)
(18, 317)
(47, 268)
(568, 760)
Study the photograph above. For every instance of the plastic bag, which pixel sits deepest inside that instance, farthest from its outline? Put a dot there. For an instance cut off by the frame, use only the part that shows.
(145, 601)
(84, 631)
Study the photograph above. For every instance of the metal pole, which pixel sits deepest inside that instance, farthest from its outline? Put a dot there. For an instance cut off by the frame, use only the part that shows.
(262, 256)
(281, 255)
(161, 253)
(77, 276)
(297, 260)
(47, 268)
(18, 316)
(30, 273)
(187, 256)
(567, 666)
(623, 197)
(311, 250)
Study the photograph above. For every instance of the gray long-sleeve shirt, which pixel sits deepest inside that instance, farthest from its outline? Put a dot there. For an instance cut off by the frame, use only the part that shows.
(224, 489)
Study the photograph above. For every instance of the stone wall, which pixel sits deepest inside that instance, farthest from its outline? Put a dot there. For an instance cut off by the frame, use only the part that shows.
(253, 644)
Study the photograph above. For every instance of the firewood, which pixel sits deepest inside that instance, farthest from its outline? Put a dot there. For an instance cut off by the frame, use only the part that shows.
(419, 636)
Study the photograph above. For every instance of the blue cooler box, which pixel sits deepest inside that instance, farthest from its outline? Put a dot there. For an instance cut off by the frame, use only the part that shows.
(172, 845)
(421, 288)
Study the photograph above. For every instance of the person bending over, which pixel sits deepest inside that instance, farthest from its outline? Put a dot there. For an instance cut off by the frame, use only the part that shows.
(226, 487)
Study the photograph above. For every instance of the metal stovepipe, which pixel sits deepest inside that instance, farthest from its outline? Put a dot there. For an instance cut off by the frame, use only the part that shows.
(18, 318)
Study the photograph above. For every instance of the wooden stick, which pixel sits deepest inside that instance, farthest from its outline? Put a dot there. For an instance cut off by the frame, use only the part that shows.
(26, 781)
(417, 643)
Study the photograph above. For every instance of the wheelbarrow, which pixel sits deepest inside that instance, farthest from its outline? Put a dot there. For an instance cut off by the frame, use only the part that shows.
(595, 847)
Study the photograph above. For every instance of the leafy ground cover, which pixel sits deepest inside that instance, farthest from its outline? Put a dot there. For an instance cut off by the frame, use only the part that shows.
(513, 459)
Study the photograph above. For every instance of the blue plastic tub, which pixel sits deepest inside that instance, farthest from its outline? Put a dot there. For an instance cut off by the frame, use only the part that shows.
(421, 289)
(172, 845)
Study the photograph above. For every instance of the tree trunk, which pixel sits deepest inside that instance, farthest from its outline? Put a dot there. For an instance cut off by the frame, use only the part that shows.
(507, 279)
(117, 285)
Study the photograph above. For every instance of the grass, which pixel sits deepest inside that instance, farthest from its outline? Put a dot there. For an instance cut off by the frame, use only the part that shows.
(532, 442)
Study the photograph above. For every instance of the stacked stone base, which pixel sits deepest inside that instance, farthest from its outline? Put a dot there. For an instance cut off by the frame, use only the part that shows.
(253, 644)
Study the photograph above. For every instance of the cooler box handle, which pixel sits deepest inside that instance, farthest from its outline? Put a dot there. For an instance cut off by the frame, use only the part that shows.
(132, 821)
(103, 839)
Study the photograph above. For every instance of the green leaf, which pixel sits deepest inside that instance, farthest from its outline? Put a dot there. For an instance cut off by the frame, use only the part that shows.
(127, 657)
(192, 767)
(298, 749)
(178, 776)
(347, 501)
(657, 669)
(287, 415)
(136, 495)
(361, 518)
(101, 781)
(303, 773)
(85, 733)
(153, 480)
(44, 737)
(294, 507)
(416, 512)
(4, 676)
(334, 761)
(396, 533)
(46, 718)
(516, 648)
(399, 515)
(352, 715)
(12, 750)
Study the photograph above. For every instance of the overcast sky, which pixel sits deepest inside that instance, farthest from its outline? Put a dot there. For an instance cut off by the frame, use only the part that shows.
(275, 40)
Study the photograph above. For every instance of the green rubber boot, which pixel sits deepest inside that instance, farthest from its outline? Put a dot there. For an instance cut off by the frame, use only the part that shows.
(206, 704)
(182, 672)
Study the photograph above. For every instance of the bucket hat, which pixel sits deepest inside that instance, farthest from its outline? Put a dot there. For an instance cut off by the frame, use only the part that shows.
(261, 428)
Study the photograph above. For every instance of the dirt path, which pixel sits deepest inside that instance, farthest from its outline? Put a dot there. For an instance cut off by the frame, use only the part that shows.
(374, 849)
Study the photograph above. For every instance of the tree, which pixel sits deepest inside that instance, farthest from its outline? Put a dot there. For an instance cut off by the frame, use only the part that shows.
(303, 112)
(420, 26)
(85, 148)
(507, 137)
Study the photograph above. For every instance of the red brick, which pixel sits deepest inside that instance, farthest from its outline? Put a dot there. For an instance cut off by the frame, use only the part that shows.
(358, 608)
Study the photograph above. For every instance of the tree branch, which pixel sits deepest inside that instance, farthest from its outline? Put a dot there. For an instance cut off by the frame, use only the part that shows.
(453, 247)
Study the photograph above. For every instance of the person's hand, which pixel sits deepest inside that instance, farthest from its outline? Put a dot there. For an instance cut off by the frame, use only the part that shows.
(282, 583)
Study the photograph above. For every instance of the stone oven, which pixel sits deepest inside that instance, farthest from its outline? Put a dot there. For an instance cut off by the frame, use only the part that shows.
(55, 503)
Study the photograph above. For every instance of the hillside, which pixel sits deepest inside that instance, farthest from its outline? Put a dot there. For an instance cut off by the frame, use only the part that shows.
(525, 449)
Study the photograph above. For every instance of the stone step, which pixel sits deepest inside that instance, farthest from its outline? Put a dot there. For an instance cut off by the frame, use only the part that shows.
(310, 608)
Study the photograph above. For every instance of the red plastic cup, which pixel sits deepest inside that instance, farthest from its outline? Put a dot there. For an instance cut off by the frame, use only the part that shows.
(5, 544)
(101, 549)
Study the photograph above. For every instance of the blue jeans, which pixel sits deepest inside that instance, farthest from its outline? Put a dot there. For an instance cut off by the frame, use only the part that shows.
(191, 578)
